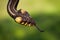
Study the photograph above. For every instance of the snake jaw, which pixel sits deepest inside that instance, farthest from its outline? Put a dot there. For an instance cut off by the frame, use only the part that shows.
(23, 23)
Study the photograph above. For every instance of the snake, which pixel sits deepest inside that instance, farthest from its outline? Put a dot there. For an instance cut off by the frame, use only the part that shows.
(20, 16)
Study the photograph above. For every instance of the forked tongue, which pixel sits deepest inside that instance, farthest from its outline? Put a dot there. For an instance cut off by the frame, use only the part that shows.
(38, 28)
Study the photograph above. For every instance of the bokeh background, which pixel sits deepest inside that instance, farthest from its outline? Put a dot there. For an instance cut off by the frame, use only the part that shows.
(46, 13)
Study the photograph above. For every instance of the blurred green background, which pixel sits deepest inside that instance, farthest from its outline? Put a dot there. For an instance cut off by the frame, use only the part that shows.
(46, 13)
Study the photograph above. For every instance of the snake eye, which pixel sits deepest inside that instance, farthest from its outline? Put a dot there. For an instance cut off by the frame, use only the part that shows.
(18, 19)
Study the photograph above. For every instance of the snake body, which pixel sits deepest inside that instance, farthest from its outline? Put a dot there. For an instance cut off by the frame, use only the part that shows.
(20, 16)
(11, 8)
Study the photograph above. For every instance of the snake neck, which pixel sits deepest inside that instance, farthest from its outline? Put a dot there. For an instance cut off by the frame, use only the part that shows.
(12, 7)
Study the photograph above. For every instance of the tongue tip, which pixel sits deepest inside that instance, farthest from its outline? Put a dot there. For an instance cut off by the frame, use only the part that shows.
(41, 30)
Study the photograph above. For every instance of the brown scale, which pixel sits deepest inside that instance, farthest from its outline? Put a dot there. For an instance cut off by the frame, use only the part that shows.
(20, 16)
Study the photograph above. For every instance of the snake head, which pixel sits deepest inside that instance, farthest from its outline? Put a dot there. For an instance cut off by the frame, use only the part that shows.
(24, 18)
